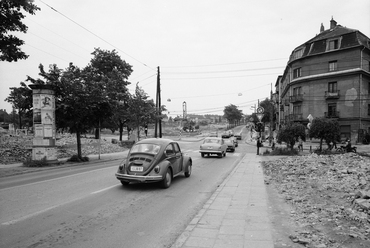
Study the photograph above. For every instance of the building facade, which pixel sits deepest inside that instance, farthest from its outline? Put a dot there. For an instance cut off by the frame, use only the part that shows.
(328, 76)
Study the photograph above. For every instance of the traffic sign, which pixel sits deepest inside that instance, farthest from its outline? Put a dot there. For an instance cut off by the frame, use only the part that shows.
(259, 116)
(260, 110)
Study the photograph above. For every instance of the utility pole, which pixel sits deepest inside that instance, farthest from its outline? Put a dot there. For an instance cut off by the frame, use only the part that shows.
(158, 121)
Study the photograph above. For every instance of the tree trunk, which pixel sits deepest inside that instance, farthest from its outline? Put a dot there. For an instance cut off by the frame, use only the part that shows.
(79, 151)
(120, 131)
(20, 119)
(96, 133)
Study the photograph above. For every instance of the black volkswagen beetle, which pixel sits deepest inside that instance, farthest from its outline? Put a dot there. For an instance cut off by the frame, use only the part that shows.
(154, 160)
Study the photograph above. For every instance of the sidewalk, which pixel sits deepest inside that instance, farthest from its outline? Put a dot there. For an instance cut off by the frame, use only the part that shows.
(236, 215)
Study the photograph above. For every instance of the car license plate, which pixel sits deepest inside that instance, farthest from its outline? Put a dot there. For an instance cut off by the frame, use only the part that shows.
(137, 168)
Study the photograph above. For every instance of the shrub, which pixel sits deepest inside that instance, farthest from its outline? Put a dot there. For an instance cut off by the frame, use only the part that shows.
(281, 151)
(35, 163)
(75, 158)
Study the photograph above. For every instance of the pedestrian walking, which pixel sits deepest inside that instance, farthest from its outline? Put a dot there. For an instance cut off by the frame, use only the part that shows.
(300, 144)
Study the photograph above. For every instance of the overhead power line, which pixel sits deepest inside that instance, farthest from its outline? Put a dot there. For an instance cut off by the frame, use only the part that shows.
(95, 34)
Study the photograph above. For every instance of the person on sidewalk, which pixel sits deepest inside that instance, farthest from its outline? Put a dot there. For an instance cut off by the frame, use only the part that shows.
(348, 145)
(300, 144)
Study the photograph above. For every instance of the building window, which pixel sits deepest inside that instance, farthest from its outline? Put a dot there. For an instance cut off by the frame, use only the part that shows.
(298, 53)
(332, 87)
(297, 73)
(333, 44)
(332, 65)
(297, 91)
(368, 109)
(297, 109)
(332, 110)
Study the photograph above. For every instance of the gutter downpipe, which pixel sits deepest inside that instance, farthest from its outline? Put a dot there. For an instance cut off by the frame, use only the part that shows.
(360, 83)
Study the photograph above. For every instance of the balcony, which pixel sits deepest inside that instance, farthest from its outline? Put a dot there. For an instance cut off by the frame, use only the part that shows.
(296, 117)
(296, 98)
(332, 114)
(332, 94)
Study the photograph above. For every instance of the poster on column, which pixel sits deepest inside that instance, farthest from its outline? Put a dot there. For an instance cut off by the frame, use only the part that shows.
(51, 153)
(39, 130)
(38, 153)
(47, 101)
(36, 101)
(48, 131)
(36, 116)
(47, 117)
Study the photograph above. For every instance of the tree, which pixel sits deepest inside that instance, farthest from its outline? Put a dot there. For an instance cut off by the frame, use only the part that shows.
(141, 110)
(108, 74)
(11, 21)
(290, 133)
(21, 99)
(268, 107)
(232, 113)
(324, 129)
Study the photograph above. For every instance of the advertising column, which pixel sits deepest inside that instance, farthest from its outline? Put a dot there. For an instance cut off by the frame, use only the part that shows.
(43, 123)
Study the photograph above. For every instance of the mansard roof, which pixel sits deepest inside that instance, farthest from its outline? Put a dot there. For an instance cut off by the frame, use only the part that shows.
(349, 38)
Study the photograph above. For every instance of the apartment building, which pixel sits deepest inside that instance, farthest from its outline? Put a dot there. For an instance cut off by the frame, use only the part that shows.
(328, 76)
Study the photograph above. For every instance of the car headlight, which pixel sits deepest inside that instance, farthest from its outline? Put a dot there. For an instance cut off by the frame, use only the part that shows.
(121, 166)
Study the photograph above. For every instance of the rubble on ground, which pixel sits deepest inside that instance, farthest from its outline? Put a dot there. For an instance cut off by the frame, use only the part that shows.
(330, 195)
(17, 149)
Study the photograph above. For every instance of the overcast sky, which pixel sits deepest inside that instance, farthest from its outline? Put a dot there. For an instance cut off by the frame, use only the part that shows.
(211, 53)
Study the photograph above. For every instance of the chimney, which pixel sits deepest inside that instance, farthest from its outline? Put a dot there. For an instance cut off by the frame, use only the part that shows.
(332, 23)
(322, 28)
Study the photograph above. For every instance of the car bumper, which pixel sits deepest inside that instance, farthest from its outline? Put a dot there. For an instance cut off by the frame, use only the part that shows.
(135, 178)
(211, 151)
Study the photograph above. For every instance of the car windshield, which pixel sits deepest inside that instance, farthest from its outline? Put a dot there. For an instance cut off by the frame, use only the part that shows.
(146, 148)
(216, 141)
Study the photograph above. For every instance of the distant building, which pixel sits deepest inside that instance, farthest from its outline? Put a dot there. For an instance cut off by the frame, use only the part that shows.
(328, 76)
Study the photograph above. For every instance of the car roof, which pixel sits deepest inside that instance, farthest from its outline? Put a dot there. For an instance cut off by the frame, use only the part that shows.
(210, 137)
(157, 141)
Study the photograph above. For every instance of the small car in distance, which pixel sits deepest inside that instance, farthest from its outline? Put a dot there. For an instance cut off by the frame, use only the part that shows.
(230, 145)
(238, 136)
(235, 141)
(154, 160)
(213, 134)
(213, 145)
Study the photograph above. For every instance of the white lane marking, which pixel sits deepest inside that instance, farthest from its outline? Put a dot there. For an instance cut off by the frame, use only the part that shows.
(27, 216)
(98, 191)
(58, 178)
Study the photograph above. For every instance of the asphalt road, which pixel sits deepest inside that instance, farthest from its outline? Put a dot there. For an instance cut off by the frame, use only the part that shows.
(88, 207)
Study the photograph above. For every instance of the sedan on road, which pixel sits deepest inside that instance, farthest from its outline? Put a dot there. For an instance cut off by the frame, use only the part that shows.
(154, 160)
(230, 145)
(213, 145)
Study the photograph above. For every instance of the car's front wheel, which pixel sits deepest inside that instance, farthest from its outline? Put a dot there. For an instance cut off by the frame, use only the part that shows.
(202, 155)
(124, 183)
(188, 173)
(166, 182)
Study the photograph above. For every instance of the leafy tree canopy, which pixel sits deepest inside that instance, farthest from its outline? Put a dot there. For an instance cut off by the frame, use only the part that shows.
(21, 99)
(290, 133)
(11, 21)
(232, 113)
(268, 107)
(325, 129)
